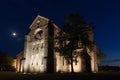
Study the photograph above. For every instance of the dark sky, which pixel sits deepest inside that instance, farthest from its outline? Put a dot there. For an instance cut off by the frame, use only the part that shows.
(17, 15)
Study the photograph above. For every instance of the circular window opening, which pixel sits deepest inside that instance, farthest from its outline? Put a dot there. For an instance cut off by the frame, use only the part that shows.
(38, 33)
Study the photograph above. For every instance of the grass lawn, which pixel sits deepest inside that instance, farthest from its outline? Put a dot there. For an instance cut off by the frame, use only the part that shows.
(63, 76)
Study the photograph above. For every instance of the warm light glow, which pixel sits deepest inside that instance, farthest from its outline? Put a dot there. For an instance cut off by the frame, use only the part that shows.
(37, 63)
(14, 63)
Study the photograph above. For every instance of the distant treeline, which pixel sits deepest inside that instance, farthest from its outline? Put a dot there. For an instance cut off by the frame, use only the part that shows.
(109, 68)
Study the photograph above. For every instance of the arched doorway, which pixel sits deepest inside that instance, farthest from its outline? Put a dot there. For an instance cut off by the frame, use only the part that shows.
(86, 61)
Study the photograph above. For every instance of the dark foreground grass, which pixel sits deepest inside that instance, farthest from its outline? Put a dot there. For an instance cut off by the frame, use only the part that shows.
(63, 76)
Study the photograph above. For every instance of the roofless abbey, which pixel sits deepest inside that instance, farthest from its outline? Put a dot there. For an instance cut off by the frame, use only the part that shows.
(39, 55)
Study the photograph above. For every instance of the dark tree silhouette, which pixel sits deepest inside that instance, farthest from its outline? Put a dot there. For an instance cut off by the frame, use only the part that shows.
(74, 35)
(6, 61)
(74, 32)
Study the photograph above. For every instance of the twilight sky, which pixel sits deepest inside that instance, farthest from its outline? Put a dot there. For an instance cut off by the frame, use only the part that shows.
(17, 16)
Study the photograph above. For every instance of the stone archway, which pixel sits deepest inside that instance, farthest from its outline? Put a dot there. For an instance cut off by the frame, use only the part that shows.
(86, 61)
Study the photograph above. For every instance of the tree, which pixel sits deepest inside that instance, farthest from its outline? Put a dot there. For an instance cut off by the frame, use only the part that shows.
(63, 48)
(75, 35)
(74, 31)
(79, 30)
(6, 61)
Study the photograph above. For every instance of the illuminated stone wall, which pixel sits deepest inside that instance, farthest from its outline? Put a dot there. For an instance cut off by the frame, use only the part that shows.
(19, 65)
(14, 63)
(36, 51)
(36, 46)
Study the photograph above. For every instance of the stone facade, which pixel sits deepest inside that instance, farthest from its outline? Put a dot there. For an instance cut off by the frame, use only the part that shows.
(39, 55)
(19, 62)
(14, 63)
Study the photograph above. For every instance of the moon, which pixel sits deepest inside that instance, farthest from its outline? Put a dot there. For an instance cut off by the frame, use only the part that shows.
(14, 34)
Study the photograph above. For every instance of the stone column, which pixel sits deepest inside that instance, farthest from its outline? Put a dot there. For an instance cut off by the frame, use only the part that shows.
(26, 54)
(94, 60)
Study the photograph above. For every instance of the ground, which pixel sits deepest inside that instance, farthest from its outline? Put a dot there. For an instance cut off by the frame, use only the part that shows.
(63, 76)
